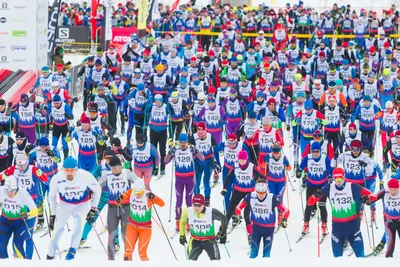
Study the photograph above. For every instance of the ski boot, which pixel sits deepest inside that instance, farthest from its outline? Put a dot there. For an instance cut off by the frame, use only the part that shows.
(123, 131)
(361, 215)
(236, 220)
(40, 223)
(49, 258)
(216, 178)
(178, 225)
(162, 172)
(207, 201)
(373, 214)
(324, 229)
(117, 247)
(83, 241)
(71, 254)
(306, 228)
(379, 248)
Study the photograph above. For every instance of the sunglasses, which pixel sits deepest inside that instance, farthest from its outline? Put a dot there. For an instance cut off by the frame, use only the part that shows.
(10, 190)
(338, 179)
(197, 205)
(20, 139)
(315, 151)
(92, 112)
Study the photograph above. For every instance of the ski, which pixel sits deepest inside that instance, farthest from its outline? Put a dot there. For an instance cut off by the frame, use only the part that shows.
(214, 185)
(160, 176)
(79, 248)
(301, 237)
(323, 239)
(40, 230)
(174, 235)
(351, 254)
(231, 230)
(277, 229)
(374, 254)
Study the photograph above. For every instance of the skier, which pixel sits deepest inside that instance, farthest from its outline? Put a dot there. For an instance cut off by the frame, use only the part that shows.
(102, 169)
(15, 202)
(204, 142)
(139, 227)
(345, 198)
(72, 186)
(117, 182)
(201, 220)
(319, 171)
(184, 173)
(6, 144)
(87, 139)
(263, 217)
(61, 113)
(244, 175)
(145, 159)
(391, 212)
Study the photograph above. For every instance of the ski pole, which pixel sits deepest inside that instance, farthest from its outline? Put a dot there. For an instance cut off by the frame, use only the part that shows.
(227, 251)
(366, 224)
(101, 242)
(30, 236)
(155, 210)
(170, 192)
(185, 249)
(319, 234)
(301, 199)
(287, 239)
(290, 181)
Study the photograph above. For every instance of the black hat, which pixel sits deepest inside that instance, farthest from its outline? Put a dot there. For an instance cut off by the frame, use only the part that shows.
(91, 58)
(206, 59)
(99, 49)
(109, 152)
(332, 67)
(115, 161)
(2, 102)
(116, 142)
(20, 135)
(94, 107)
(105, 77)
(140, 138)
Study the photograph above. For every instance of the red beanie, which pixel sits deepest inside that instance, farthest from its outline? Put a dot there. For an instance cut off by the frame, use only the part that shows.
(85, 119)
(243, 155)
(393, 183)
(232, 136)
(352, 126)
(338, 173)
(201, 125)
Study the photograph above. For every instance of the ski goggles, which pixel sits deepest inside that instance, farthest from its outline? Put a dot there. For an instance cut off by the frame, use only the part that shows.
(231, 142)
(316, 151)
(197, 205)
(338, 179)
(19, 139)
(356, 149)
(10, 189)
(138, 192)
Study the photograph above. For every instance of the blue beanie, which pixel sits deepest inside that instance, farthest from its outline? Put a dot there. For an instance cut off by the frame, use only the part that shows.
(183, 138)
(252, 114)
(57, 98)
(44, 141)
(367, 98)
(70, 163)
(345, 62)
(308, 104)
(45, 68)
(301, 94)
(315, 146)
(140, 87)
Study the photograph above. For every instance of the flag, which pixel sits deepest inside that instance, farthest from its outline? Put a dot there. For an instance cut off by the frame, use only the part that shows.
(52, 30)
(142, 16)
(154, 13)
(175, 5)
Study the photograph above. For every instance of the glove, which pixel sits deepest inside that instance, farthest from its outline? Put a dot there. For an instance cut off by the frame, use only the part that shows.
(304, 183)
(50, 153)
(71, 129)
(336, 154)
(24, 216)
(100, 141)
(298, 173)
(182, 240)
(118, 199)
(28, 149)
(155, 171)
(344, 123)
(170, 142)
(387, 165)
(362, 163)
(381, 185)
(150, 195)
(52, 222)
(221, 235)
(120, 151)
(365, 200)
(39, 173)
(68, 138)
(172, 150)
(318, 194)
(78, 124)
(288, 127)
(274, 113)
(105, 137)
(320, 126)
(38, 106)
(223, 192)
(216, 167)
(126, 118)
(90, 218)
(193, 149)
(95, 133)
(284, 223)
(261, 112)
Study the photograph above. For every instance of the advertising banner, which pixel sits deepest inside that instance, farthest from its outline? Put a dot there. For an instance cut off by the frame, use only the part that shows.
(76, 89)
(122, 35)
(69, 35)
(22, 45)
(52, 29)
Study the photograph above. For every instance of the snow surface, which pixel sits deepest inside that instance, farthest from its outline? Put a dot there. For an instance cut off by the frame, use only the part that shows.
(159, 249)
